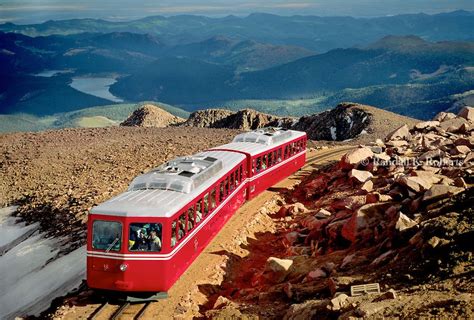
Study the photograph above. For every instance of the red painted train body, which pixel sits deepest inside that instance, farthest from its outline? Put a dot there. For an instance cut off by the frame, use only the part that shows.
(143, 239)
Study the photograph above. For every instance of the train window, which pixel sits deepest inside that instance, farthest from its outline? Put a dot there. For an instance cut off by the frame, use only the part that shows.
(279, 156)
(182, 226)
(199, 211)
(173, 233)
(213, 199)
(236, 177)
(106, 235)
(145, 237)
(191, 218)
(264, 162)
(286, 152)
(270, 159)
(241, 174)
(221, 191)
(232, 182)
(259, 164)
(206, 204)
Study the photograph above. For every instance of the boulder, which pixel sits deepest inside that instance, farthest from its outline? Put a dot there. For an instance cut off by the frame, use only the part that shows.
(417, 184)
(401, 133)
(426, 175)
(360, 175)
(440, 191)
(315, 274)
(460, 150)
(391, 294)
(382, 157)
(442, 116)
(296, 208)
(404, 222)
(433, 154)
(356, 156)
(467, 113)
(426, 125)
(362, 223)
(368, 186)
(369, 309)
(397, 143)
(323, 214)
(221, 302)
(453, 125)
(339, 302)
(277, 269)
(291, 238)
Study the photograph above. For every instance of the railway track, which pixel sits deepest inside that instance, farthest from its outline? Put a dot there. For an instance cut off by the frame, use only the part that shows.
(114, 312)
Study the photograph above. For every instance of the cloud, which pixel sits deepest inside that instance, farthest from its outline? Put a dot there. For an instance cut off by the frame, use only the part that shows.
(30, 7)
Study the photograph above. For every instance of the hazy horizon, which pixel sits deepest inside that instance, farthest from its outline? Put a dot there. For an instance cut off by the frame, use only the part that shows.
(37, 11)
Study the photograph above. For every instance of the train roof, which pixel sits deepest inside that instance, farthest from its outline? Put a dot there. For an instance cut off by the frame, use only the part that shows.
(165, 190)
(258, 141)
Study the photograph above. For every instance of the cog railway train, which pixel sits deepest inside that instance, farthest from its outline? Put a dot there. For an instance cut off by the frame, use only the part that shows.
(142, 240)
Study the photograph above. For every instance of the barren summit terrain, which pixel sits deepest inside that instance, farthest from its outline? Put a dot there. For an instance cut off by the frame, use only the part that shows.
(57, 176)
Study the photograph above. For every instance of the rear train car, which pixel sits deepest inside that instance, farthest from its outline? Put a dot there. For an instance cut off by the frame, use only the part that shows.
(143, 239)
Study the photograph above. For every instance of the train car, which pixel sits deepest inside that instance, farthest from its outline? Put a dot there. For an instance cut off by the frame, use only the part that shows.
(142, 240)
(272, 155)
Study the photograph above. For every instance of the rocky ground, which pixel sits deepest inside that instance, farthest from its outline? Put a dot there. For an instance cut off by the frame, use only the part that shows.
(397, 212)
(57, 176)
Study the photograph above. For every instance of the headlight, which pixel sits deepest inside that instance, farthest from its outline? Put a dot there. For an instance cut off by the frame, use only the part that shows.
(123, 267)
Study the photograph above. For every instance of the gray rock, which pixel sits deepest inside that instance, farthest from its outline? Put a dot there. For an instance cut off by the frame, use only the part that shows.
(467, 113)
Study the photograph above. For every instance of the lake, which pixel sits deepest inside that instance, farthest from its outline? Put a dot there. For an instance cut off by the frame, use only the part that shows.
(95, 86)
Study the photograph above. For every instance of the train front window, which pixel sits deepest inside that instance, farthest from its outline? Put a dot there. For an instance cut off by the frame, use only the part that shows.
(145, 237)
(106, 235)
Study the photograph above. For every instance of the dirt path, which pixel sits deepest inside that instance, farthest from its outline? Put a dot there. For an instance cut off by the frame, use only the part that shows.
(190, 293)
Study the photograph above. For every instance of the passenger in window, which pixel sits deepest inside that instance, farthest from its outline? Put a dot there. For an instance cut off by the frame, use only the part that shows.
(155, 241)
(190, 218)
(182, 226)
(259, 165)
(173, 234)
(198, 216)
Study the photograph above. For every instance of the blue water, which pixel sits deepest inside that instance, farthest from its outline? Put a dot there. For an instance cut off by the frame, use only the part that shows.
(95, 86)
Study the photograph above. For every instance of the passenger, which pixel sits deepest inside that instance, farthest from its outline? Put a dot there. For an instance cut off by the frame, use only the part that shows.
(155, 241)
(264, 166)
(198, 216)
(173, 236)
(180, 234)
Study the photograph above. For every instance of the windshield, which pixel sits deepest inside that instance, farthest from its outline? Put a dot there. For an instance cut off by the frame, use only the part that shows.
(107, 235)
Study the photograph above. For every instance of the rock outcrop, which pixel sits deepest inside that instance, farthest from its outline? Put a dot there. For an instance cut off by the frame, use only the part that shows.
(351, 121)
(346, 121)
(151, 116)
(246, 119)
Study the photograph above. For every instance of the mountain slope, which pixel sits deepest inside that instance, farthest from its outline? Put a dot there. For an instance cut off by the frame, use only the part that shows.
(243, 55)
(175, 80)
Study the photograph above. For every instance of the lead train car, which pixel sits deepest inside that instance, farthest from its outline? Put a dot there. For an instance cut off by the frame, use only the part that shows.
(143, 239)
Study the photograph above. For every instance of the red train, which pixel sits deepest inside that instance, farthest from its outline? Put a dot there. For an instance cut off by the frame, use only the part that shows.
(143, 239)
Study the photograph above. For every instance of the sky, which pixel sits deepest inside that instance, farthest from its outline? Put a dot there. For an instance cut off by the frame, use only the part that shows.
(35, 11)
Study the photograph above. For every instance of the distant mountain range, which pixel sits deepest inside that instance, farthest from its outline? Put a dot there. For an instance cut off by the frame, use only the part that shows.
(394, 73)
(315, 33)
(280, 65)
